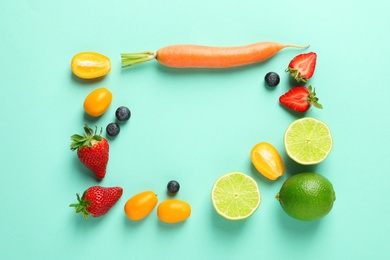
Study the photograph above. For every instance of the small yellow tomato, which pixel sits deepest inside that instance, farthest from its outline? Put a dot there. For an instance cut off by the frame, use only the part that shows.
(97, 102)
(173, 211)
(267, 160)
(90, 65)
(140, 205)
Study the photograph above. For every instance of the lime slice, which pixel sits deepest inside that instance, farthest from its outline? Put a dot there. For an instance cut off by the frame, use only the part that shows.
(308, 141)
(235, 196)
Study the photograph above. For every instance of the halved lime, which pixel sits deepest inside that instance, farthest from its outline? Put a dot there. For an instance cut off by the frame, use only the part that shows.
(308, 141)
(235, 196)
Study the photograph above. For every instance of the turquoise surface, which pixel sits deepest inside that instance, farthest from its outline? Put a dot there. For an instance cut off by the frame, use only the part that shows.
(190, 125)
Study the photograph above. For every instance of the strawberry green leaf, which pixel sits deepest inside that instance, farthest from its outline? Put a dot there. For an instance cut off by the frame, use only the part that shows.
(81, 206)
(296, 75)
(313, 100)
(80, 141)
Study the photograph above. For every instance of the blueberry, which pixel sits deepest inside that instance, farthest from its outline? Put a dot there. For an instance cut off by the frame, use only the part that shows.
(113, 129)
(173, 187)
(272, 79)
(122, 113)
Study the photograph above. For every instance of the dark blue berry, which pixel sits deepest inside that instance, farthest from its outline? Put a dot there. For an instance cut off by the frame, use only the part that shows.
(173, 187)
(113, 129)
(272, 79)
(123, 113)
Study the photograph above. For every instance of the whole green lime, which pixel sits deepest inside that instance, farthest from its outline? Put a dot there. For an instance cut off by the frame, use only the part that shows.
(307, 196)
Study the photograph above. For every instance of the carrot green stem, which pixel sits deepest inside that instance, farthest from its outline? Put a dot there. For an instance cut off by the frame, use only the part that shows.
(133, 58)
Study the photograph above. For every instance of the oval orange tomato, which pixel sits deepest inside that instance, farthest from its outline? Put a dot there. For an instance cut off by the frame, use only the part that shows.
(267, 160)
(89, 65)
(140, 205)
(97, 102)
(173, 211)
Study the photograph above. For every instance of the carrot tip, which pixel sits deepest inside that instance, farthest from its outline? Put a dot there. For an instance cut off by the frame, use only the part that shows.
(298, 46)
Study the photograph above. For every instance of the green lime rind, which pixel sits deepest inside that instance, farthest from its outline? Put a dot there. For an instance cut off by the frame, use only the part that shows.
(307, 196)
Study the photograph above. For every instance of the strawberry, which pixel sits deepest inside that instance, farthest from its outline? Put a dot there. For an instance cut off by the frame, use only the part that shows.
(300, 99)
(92, 150)
(302, 66)
(97, 201)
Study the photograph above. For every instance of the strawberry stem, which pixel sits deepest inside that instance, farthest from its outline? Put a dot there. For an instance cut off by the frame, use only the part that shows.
(81, 206)
(296, 75)
(80, 141)
(313, 100)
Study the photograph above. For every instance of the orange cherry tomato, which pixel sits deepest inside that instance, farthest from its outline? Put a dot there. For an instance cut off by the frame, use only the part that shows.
(140, 205)
(97, 102)
(90, 65)
(173, 211)
(267, 160)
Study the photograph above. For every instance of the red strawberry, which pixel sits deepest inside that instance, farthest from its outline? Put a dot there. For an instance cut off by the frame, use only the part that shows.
(302, 66)
(300, 99)
(97, 201)
(92, 150)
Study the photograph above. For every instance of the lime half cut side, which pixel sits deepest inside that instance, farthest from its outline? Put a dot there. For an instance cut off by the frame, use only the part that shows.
(235, 196)
(308, 141)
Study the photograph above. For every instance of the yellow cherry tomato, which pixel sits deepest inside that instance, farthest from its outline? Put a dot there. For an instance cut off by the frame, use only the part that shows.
(90, 65)
(173, 211)
(97, 102)
(267, 160)
(140, 205)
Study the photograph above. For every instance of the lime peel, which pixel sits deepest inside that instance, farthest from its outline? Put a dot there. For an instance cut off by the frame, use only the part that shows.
(307, 196)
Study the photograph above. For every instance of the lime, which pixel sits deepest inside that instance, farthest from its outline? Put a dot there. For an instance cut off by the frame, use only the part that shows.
(235, 196)
(308, 141)
(307, 196)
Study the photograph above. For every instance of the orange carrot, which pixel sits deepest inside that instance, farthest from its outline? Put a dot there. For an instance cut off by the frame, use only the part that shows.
(197, 56)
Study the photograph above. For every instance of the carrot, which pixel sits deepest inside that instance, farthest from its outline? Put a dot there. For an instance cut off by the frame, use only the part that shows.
(197, 56)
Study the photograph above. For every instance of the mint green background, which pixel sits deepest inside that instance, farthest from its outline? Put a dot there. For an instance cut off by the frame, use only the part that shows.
(190, 125)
